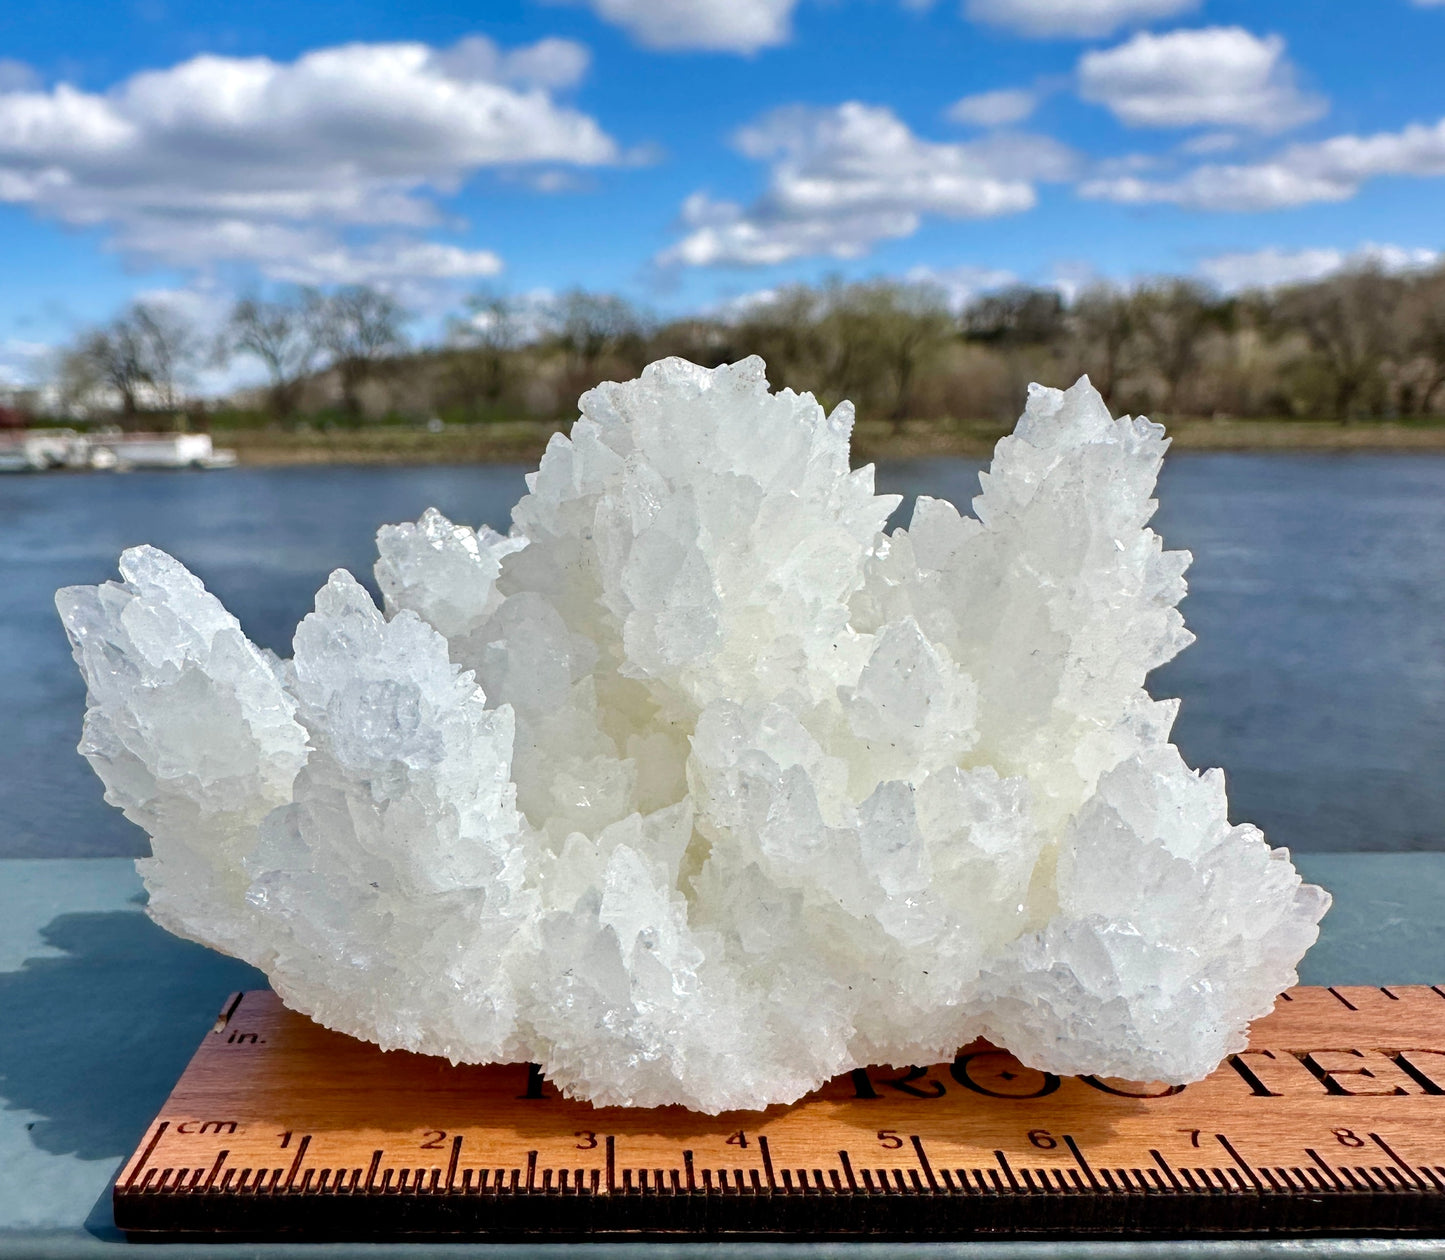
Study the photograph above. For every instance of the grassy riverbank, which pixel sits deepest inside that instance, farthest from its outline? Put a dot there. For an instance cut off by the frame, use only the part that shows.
(500, 442)
(522, 441)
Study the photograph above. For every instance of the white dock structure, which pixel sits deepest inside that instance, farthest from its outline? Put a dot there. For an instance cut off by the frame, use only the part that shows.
(46, 450)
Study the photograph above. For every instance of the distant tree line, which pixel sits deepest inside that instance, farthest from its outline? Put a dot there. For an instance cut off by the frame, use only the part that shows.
(141, 362)
(1360, 345)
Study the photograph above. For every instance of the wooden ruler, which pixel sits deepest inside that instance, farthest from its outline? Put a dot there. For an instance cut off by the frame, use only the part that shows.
(1332, 1122)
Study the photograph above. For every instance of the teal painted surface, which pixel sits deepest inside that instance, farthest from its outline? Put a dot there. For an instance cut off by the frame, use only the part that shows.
(100, 1011)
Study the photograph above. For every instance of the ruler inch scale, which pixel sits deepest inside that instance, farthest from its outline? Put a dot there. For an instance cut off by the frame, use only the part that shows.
(1331, 1122)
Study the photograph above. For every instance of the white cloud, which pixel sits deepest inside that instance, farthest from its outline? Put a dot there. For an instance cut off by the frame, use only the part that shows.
(389, 263)
(1329, 170)
(1237, 188)
(1210, 142)
(1127, 164)
(725, 233)
(962, 284)
(1079, 19)
(308, 255)
(845, 177)
(223, 159)
(549, 63)
(1271, 268)
(994, 109)
(202, 309)
(1221, 76)
(740, 26)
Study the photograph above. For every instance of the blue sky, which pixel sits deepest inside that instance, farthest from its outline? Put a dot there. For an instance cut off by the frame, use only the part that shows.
(691, 152)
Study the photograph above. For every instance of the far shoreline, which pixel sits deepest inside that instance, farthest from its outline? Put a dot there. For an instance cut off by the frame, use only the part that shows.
(523, 441)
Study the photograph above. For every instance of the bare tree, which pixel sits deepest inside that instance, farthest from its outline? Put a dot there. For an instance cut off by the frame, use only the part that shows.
(783, 329)
(282, 335)
(486, 340)
(916, 328)
(1172, 319)
(699, 339)
(1103, 322)
(80, 379)
(885, 333)
(1346, 322)
(169, 348)
(140, 355)
(107, 358)
(359, 328)
(1017, 315)
(1423, 335)
(591, 325)
(850, 361)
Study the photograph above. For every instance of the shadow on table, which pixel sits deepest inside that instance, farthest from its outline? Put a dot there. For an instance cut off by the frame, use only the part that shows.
(93, 1041)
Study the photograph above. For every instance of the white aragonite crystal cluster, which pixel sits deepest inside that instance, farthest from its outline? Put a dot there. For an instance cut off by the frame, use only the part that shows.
(698, 787)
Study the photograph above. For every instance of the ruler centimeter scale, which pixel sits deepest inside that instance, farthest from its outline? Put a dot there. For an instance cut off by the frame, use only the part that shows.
(1331, 1122)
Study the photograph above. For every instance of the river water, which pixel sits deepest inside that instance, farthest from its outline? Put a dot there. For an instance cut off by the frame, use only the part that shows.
(1317, 593)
